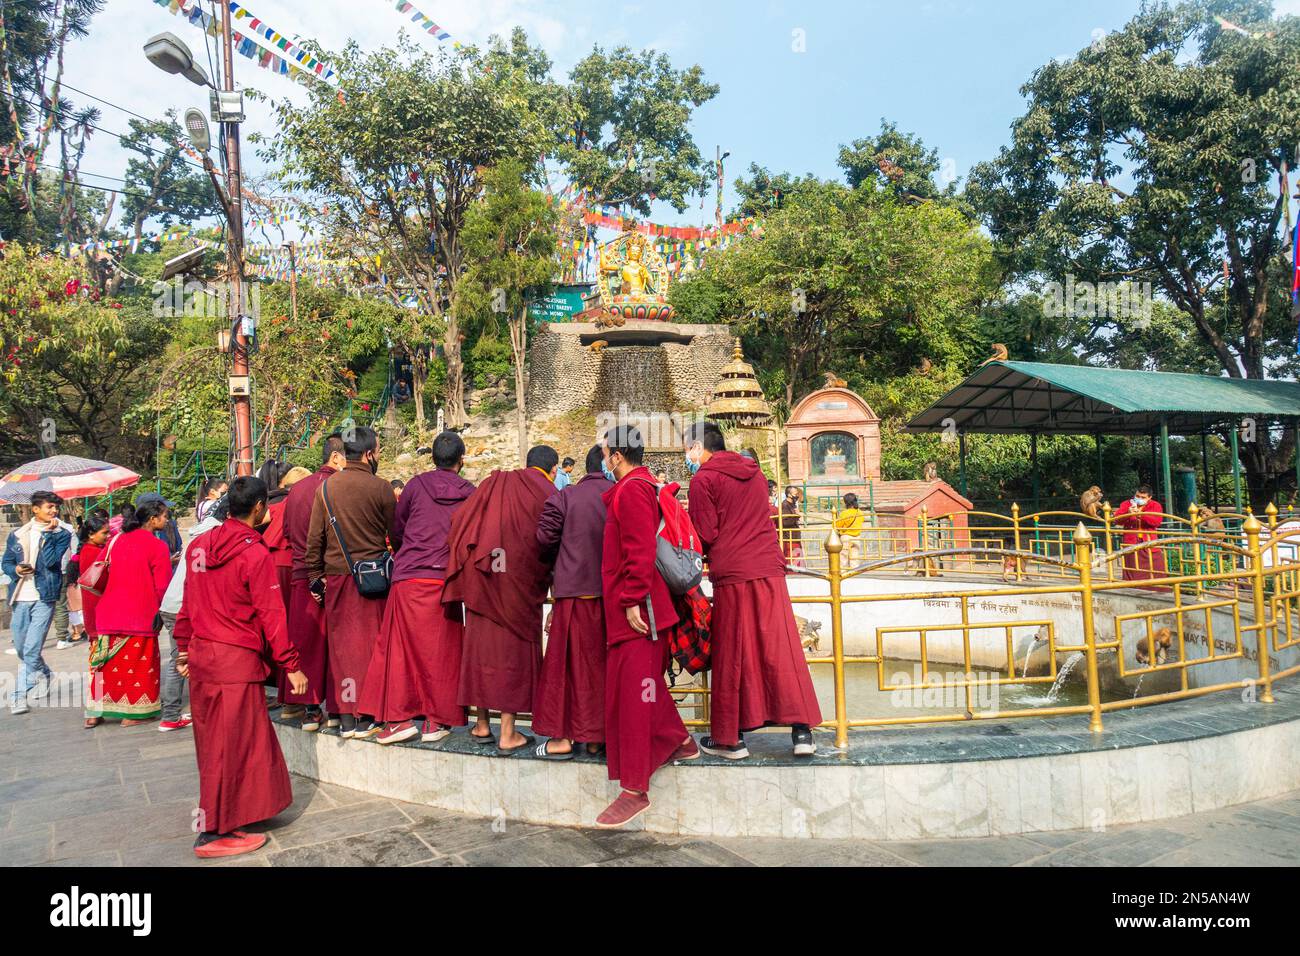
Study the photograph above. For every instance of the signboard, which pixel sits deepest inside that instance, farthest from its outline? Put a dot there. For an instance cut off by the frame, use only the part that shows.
(561, 305)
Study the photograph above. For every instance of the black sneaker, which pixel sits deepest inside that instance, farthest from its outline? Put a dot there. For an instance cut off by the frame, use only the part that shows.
(802, 736)
(311, 720)
(736, 751)
(347, 725)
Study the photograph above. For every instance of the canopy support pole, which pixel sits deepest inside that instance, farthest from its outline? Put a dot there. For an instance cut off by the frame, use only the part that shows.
(1297, 461)
(1033, 458)
(1205, 465)
(1165, 474)
(961, 449)
(1236, 466)
(1101, 467)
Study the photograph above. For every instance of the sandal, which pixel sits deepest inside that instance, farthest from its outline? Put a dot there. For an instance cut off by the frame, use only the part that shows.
(92, 722)
(528, 742)
(483, 739)
(545, 754)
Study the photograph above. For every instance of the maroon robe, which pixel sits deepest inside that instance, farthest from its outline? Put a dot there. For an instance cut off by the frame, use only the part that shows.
(759, 674)
(642, 725)
(570, 700)
(415, 667)
(306, 617)
(352, 625)
(1141, 527)
(494, 569)
(230, 623)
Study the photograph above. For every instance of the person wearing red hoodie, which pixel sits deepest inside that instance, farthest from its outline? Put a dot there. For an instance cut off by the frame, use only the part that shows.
(643, 730)
(126, 681)
(413, 680)
(759, 674)
(230, 622)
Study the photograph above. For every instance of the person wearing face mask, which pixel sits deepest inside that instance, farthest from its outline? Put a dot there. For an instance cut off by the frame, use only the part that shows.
(759, 675)
(1140, 516)
(362, 506)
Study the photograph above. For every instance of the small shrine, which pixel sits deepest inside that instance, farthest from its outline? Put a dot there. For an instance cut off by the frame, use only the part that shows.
(833, 438)
(738, 398)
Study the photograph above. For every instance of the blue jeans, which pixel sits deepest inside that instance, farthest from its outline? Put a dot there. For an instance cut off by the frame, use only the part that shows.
(172, 684)
(31, 622)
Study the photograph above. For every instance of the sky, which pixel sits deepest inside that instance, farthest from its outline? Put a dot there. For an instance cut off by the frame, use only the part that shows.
(798, 79)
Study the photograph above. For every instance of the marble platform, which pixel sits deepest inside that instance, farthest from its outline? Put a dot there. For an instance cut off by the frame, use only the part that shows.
(985, 778)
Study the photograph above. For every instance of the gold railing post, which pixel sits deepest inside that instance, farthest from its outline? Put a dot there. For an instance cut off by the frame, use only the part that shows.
(1252, 529)
(833, 547)
(1270, 512)
(1083, 557)
(1108, 543)
(925, 539)
(1193, 514)
(1015, 530)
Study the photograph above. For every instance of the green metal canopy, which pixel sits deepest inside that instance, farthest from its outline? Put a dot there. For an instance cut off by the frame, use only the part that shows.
(1042, 398)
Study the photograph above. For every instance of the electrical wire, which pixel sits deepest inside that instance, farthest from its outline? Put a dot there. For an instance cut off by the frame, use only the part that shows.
(149, 150)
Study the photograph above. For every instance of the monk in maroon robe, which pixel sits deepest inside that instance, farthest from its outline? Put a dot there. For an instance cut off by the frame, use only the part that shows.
(643, 730)
(495, 571)
(230, 623)
(412, 683)
(306, 617)
(350, 522)
(759, 674)
(570, 700)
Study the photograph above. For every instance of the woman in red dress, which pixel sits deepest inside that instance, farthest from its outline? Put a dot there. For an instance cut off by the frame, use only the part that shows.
(124, 665)
(94, 536)
(1140, 516)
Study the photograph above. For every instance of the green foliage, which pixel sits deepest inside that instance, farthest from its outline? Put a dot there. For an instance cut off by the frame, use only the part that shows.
(69, 359)
(630, 137)
(160, 183)
(898, 162)
(850, 280)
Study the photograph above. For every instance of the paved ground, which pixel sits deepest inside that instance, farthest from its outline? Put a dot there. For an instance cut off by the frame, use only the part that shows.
(114, 796)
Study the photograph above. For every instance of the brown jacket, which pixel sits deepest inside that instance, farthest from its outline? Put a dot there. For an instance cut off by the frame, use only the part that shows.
(363, 505)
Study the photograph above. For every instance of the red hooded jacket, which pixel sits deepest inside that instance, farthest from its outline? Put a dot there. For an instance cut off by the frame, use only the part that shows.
(627, 567)
(232, 594)
(733, 517)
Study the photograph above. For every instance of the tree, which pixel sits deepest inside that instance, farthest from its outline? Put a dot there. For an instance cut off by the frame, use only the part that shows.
(510, 246)
(765, 191)
(895, 161)
(72, 363)
(630, 140)
(33, 37)
(1160, 154)
(160, 184)
(852, 279)
(398, 153)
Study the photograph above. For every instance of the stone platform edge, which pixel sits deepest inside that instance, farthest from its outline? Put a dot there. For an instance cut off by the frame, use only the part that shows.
(827, 799)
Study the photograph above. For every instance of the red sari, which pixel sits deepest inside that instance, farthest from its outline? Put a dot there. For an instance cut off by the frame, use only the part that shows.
(124, 677)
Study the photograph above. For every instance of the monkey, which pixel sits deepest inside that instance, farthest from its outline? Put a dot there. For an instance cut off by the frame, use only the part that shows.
(834, 381)
(1163, 641)
(925, 366)
(597, 345)
(999, 354)
(809, 636)
(931, 472)
(1090, 502)
(1210, 524)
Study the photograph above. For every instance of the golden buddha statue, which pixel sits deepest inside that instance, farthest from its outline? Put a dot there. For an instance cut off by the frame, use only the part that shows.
(642, 279)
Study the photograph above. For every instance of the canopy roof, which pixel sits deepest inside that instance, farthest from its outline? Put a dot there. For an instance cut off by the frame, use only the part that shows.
(1025, 397)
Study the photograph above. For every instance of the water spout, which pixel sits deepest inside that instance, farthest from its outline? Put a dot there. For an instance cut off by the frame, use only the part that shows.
(1070, 664)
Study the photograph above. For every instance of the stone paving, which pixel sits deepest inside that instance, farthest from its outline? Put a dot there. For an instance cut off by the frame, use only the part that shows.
(118, 796)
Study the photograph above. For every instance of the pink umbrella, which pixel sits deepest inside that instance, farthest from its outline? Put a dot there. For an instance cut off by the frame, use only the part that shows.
(66, 476)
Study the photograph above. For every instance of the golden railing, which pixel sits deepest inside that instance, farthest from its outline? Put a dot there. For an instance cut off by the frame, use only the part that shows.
(1249, 573)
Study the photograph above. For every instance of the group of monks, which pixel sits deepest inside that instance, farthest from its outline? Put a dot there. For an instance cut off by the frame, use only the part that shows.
(458, 630)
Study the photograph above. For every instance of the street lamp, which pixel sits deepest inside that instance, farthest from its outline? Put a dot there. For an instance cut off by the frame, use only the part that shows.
(170, 54)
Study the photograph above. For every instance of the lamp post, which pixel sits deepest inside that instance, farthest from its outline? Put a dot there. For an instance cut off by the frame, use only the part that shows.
(171, 55)
(720, 157)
